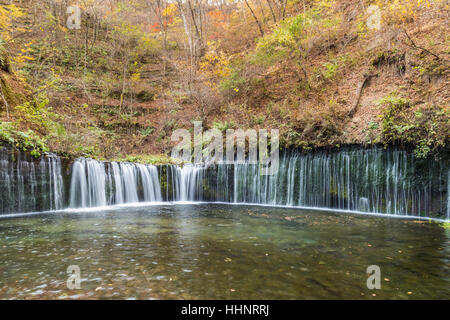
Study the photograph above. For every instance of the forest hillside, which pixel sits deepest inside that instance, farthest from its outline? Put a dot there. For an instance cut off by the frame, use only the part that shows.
(325, 73)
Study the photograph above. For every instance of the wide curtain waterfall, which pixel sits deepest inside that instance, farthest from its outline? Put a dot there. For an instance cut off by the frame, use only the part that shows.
(376, 181)
(367, 180)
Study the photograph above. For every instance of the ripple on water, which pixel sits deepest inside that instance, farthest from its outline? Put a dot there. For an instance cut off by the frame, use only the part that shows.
(205, 251)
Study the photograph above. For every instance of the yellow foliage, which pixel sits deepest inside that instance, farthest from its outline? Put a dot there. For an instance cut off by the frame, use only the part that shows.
(8, 13)
(397, 11)
(136, 76)
(215, 61)
(169, 10)
(324, 4)
(19, 59)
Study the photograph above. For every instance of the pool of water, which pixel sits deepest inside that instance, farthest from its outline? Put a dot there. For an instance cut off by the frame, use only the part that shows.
(218, 251)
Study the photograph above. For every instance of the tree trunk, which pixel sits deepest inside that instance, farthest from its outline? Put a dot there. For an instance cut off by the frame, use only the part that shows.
(256, 19)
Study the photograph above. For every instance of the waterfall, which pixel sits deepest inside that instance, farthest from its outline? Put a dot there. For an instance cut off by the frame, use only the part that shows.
(448, 195)
(190, 183)
(129, 182)
(373, 181)
(51, 166)
(118, 192)
(150, 183)
(95, 183)
(88, 184)
(27, 184)
(184, 184)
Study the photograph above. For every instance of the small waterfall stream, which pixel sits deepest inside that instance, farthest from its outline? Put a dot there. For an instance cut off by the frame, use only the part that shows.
(373, 180)
(28, 185)
(96, 184)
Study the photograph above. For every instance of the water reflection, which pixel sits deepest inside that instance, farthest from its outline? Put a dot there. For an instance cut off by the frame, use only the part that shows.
(213, 251)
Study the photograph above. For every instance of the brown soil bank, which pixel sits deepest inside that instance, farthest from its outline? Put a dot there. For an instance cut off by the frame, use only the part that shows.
(321, 75)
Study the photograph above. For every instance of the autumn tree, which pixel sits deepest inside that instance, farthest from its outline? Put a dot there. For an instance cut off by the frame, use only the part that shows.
(164, 12)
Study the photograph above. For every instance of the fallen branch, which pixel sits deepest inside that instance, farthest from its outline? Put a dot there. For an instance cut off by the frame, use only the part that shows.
(415, 46)
(358, 94)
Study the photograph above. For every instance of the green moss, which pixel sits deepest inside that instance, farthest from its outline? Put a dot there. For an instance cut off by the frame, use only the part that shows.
(26, 141)
(333, 67)
(148, 159)
(234, 82)
(223, 126)
(426, 129)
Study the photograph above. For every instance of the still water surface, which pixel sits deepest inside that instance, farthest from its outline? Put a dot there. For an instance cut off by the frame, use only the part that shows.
(218, 251)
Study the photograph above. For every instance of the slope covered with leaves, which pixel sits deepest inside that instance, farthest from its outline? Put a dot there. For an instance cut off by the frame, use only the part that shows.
(136, 71)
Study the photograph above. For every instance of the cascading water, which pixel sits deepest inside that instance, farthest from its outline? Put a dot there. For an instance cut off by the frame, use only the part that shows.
(448, 195)
(150, 183)
(375, 181)
(51, 166)
(27, 184)
(183, 184)
(96, 183)
(88, 185)
(190, 179)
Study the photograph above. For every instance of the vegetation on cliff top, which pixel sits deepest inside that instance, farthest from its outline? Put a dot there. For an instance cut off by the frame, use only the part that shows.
(137, 70)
